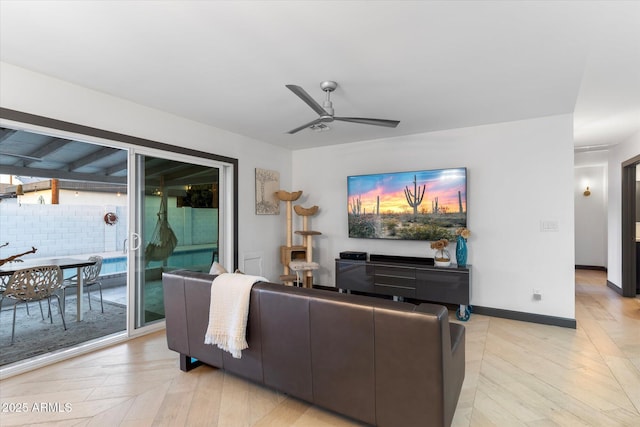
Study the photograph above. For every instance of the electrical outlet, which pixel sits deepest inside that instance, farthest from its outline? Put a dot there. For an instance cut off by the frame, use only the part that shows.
(537, 294)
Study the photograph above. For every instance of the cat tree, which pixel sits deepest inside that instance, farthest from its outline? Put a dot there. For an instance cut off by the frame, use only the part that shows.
(307, 266)
(297, 258)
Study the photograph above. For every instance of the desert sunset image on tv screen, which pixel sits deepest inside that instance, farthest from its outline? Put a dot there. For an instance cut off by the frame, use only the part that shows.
(419, 205)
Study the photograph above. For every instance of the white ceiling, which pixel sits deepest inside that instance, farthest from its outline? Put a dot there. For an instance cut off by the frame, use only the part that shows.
(431, 65)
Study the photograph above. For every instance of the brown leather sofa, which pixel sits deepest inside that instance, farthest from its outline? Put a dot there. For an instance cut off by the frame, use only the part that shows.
(382, 362)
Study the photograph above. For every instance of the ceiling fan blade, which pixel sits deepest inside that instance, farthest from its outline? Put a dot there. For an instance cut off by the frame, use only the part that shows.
(302, 94)
(298, 129)
(22, 156)
(364, 121)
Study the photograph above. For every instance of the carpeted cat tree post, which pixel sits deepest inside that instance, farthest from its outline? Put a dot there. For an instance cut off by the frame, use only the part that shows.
(289, 252)
(307, 266)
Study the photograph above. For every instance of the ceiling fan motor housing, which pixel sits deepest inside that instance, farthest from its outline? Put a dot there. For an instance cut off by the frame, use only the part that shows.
(328, 86)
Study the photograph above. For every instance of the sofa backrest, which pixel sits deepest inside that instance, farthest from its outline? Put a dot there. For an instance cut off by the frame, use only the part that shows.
(372, 359)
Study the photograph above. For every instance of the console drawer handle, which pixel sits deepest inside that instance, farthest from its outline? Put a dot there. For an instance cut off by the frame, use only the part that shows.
(395, 276)
(393, 286)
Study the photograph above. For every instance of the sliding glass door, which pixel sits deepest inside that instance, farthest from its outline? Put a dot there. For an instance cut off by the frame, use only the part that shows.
(177, 223)
(145, 207)
(62, 198)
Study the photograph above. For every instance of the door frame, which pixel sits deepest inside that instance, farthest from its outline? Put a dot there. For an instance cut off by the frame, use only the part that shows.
(35, 123)
(137, 197)
(629, 284)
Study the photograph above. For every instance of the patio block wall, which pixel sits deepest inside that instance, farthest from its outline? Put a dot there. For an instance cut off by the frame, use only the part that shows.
(192, 226)
(68, 230)
(58, 230)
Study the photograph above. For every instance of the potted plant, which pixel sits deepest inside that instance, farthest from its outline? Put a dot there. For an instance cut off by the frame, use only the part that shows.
(441, 258)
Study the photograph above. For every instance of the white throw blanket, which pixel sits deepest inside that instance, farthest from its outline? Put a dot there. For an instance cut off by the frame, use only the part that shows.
(228, 311)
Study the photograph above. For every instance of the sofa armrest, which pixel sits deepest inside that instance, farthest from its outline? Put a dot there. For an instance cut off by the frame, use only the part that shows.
(453, 358)
(454, 370)
(457, 334)
(175, 309)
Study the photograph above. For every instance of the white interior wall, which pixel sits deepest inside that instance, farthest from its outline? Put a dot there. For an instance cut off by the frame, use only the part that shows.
(34, 93)
(617, 155)
(519, 174)
(590, 214)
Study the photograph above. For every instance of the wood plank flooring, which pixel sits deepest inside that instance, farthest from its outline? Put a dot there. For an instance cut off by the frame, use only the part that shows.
(517, 374)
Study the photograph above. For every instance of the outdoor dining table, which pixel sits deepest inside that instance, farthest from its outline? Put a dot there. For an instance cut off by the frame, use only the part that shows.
(64, 263)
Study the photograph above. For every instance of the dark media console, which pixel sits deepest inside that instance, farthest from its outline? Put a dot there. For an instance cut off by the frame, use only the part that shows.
(407, 277)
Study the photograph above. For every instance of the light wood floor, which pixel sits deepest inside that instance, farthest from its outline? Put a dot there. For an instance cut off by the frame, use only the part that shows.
(518, 374)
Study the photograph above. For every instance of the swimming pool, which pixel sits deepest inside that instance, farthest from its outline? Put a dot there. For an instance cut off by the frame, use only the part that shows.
(186, 257)
(114, 265)
(181, 258)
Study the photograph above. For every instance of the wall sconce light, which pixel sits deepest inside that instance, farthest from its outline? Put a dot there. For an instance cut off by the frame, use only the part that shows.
(587, 192)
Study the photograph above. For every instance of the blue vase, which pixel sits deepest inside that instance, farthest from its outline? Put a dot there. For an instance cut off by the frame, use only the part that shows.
(461, 251)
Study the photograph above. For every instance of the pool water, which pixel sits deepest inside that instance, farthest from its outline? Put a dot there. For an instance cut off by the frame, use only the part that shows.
(185, 258)
(114, 265)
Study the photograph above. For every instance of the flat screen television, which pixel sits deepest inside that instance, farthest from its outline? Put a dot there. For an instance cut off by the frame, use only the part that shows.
(418, 205)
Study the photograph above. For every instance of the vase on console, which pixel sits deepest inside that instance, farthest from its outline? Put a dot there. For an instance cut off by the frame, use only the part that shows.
(461, 251)
(441, 258)
(462, 234)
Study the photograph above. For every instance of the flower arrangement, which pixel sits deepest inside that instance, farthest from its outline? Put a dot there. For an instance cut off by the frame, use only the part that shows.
(442, 255)
(439, 245)
(463, 232)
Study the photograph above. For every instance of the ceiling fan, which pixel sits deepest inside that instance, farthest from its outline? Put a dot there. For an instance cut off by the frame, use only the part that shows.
(326, 110)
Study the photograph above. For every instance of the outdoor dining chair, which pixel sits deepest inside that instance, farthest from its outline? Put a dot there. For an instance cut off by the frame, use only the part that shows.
(34, 284)
(90, 277)
(3, 285)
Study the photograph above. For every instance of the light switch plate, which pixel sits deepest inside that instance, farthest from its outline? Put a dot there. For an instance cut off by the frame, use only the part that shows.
(549, 226)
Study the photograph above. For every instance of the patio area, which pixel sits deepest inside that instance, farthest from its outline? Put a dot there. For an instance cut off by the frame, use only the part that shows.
(35, 336)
